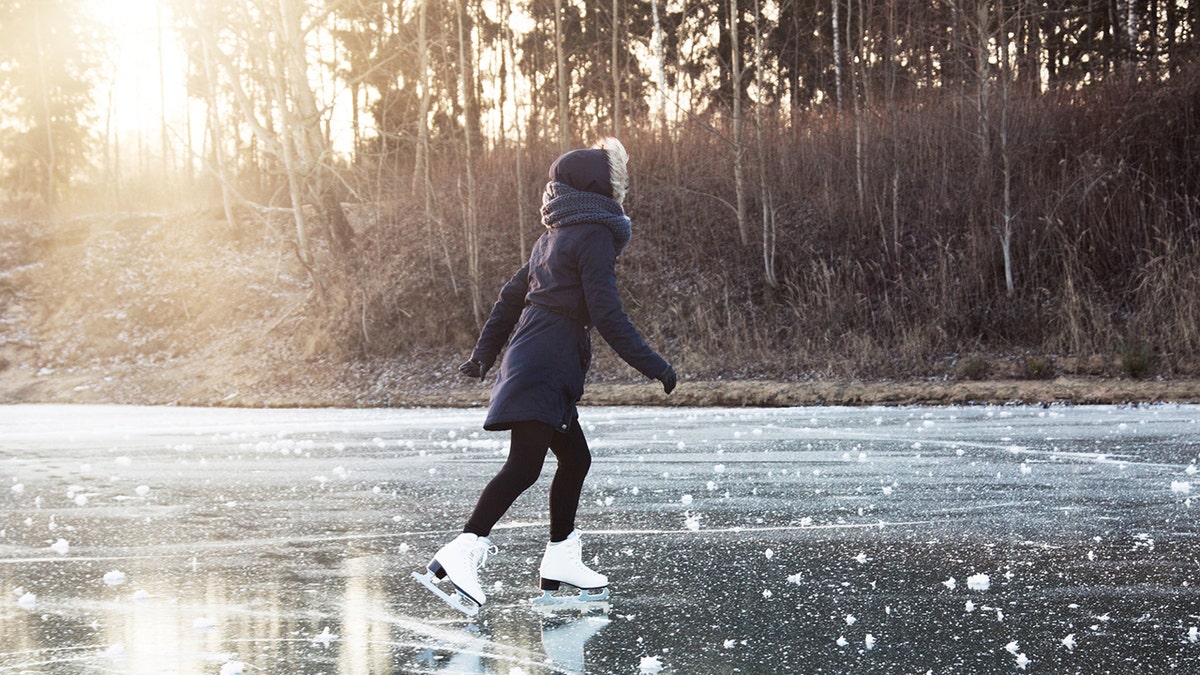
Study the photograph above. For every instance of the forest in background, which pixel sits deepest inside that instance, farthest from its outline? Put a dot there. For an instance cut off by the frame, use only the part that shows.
(834, 189)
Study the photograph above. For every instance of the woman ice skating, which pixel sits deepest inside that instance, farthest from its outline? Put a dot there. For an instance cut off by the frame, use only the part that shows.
(548, 308)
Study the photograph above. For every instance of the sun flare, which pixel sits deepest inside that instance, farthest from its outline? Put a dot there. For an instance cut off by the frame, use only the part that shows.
(141, 56)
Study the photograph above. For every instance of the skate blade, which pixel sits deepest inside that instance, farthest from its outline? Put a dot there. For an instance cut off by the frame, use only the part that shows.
(457, 601)
(586, 601)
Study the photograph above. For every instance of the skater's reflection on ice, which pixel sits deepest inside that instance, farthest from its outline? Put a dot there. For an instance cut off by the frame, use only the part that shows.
(564, 641)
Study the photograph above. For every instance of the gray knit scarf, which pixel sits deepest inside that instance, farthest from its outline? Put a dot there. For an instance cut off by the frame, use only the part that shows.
(563, 205)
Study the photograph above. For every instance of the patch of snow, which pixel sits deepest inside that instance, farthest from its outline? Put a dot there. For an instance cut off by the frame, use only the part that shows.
(650, 664)
(115, 651)
(325, 637)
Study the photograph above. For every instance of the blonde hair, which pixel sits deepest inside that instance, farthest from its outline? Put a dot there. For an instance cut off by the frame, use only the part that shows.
(618, 165)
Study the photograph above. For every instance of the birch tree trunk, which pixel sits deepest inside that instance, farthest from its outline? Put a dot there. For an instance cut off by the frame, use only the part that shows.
(421, 163)
(739, 150)
(837, 55)
(564, 127)
(1009, 218)
(616, 71)
(214, 127)
(768, 218)
(510, 50)
(660, 68)
(51, 187)
(311, 143)
(471, 221)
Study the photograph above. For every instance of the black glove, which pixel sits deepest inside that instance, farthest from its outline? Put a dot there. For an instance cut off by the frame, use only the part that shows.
(473, 368)
(668, 379)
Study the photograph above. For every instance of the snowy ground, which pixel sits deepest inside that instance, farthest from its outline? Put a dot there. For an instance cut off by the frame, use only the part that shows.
(834, 540)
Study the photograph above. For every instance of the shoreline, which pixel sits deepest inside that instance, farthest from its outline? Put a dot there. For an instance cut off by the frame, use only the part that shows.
(371, 390)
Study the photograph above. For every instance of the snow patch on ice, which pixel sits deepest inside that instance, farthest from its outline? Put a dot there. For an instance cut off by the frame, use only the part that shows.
(114, 578)
(650, 664)
(979, 582)
(326, 636)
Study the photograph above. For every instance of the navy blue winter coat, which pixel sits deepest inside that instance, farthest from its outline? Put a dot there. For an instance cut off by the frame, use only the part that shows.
(568, 285)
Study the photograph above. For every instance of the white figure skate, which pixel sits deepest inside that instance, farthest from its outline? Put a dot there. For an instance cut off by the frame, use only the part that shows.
(563, 564)
(460, 562)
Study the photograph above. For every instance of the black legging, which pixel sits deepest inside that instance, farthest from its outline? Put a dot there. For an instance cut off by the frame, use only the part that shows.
(521, 470)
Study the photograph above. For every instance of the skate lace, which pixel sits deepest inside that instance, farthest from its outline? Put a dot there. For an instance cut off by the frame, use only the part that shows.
(478, 555)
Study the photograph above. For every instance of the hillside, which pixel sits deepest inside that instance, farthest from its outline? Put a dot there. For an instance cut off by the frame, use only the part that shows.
(179, 309)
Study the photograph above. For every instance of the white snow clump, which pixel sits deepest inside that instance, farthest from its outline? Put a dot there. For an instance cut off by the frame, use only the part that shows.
(650, 664)
(60, 547)
(114, 578)
(979, 582)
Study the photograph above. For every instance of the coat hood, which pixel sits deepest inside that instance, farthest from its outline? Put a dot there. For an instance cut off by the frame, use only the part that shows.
(602, 169)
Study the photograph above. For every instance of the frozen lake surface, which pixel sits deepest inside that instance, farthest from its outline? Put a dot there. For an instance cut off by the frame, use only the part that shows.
(802, 540)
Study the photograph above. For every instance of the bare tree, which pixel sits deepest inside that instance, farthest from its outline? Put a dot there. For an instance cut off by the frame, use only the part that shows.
(768, 217)
(660, 66)
(564, 126)
(739, 146)
(471, 219)
(510, 38)
(616, 71)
